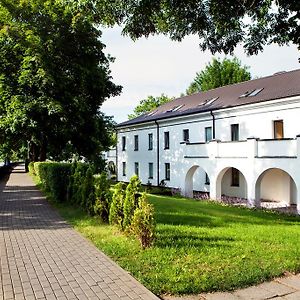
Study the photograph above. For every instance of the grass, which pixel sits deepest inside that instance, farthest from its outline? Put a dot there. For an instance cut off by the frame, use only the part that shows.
(200, 246)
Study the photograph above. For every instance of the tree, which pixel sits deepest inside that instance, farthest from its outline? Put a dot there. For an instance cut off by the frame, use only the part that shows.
(219, 73)
(54, 77)
(148, 104)
(220, 25)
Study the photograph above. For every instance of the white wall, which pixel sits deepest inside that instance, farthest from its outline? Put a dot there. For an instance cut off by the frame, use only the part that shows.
(233, 191)
(255, 120)
(276, 186)
(143, 156)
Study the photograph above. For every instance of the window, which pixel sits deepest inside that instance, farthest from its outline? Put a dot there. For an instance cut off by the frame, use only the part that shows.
(235, 177)
(150, 170)
(208, 134)
(207, 181)
(167, 171)
(186, 135)
(124, 168)
(234, 132)
(175, 108)
(136, 168)
(278, 129)
(150, 141)
(123, 143)
(167, 140)
(208, 101)
(255, 92)
(136, 143)
(251, 93)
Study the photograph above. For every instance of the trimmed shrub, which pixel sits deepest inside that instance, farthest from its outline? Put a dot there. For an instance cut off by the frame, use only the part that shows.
(88, 191)
(76, 183)
(131, 200)
(116, 214)
(103, 197)
(71, 183)
(143, 225)
(54, 178)
(31, 168)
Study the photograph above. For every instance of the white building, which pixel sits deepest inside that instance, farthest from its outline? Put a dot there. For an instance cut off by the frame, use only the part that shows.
(110, 158)
(238, 141)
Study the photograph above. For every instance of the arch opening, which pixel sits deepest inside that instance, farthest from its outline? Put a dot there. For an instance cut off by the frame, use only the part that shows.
(276, 188)
(111, 169)
(231, 186)
(197, 183)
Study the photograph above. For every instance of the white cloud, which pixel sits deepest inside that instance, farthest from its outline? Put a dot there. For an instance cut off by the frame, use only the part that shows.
(158, 65)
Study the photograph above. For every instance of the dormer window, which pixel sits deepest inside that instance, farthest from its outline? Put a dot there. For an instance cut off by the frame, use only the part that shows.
(208, 101)
(151, 113)
(175, 108)
(251, 93)
(255, 92)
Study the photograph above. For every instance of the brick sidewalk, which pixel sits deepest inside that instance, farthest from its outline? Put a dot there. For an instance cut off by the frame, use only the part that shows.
(42, 257)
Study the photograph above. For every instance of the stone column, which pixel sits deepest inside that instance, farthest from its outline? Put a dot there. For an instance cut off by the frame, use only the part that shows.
(253, 201)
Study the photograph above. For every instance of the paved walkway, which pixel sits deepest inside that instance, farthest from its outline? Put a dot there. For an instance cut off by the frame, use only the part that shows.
(42, 257)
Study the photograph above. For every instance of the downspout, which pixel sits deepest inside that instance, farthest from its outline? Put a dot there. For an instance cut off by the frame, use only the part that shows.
(214, 125)
(157, 149)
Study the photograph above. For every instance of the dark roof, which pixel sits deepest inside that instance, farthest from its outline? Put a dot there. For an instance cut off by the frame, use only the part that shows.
(277, 86)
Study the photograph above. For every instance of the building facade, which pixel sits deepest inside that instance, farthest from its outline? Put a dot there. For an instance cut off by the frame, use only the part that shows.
(236, 141)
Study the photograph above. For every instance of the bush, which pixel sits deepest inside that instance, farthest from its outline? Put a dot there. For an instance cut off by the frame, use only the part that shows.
(143, 225)
(116, 209)
(54, 178)
(31, 168)
(88, 191)
(76, 182)
(131, 200)
(103, 197)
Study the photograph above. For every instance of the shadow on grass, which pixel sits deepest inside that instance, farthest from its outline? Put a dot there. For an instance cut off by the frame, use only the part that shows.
(207, 214)
(167, 238)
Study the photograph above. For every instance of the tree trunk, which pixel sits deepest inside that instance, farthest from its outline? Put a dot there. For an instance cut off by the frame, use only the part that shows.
(43, 149)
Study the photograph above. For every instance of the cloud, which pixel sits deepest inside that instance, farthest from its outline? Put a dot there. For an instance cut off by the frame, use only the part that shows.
(158, 65)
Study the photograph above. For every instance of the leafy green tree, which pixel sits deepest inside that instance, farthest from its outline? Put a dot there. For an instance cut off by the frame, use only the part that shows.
(220, 25)
(116, 214)
(219, 73)
(54, 77)
(143, 223)
(146, 105)
(103, 197)
(131, 200)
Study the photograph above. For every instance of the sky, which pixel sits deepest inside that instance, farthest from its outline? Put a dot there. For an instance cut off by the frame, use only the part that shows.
(158, 65)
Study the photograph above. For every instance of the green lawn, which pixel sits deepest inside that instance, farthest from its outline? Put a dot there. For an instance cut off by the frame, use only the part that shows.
(200, 246)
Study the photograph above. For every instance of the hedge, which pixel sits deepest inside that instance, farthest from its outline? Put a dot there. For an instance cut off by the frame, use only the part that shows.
(54, 177)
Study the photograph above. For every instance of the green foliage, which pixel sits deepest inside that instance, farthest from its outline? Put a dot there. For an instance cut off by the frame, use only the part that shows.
(131, 200)
(220, 25)
(54, 177)
(146, 105)
(103, 197)
(76, 182)
(116, 214)
(200, 246)
(88, 191)
(142, 224)
(219, 73)
(31, 169)
(54, 77)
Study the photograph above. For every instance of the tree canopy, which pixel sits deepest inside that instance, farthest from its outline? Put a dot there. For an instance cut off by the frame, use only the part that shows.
(219, 73)
(148, 104)
(54, 77)
(220, 25)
